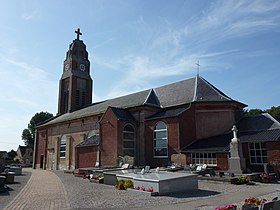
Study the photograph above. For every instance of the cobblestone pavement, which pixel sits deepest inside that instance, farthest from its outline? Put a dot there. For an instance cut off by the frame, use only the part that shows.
(85, 195)
(44, 190)
(57, 190)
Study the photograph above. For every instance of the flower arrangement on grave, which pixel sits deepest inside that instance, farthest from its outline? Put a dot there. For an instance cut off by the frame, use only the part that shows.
(86, 176)
(123, 184)
(264, 177)
(227, 207)
(252, 203)
(150, 189)
(242, 179)
(142, 188)
(99, 179)
(128, 183)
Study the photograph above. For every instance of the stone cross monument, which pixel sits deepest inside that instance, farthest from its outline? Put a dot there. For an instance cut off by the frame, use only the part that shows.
(236, 161)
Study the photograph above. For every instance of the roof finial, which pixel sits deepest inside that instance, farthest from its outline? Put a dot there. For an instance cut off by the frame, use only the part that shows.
(78, 33)
(198, 65)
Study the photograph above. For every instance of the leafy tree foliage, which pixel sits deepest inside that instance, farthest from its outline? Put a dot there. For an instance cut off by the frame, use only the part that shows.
(253, 112)
(28, 134)
(12, 154)
(273, 111)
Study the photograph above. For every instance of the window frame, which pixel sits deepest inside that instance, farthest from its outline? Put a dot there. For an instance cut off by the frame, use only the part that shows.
(156, 130)
(129, 140)
(62, 144)
(261, 148)
(200, 158)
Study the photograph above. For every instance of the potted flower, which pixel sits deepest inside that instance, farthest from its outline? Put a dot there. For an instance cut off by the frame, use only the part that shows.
(242, 179)
(264, 177)
(252, 203)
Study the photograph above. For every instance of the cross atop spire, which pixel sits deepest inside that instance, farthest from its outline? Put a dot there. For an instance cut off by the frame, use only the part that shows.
(78, 33)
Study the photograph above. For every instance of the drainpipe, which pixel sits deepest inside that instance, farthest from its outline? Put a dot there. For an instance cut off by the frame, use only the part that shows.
(46, 148)
(34, 150)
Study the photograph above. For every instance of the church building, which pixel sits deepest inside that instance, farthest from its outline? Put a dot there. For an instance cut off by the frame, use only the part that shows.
(190, 118)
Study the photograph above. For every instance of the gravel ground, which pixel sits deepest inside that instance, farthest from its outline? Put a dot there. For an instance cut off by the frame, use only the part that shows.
(83, 194)
(14, 189)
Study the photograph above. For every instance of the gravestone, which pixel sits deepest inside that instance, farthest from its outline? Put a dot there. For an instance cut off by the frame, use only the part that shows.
(179, 159)
(236, 161)
(128, 159)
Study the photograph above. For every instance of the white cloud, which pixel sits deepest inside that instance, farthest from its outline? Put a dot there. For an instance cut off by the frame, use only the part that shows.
(173, 50)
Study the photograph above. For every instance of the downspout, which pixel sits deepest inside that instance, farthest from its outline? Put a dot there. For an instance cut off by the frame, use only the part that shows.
(35, 150)
(46, 150)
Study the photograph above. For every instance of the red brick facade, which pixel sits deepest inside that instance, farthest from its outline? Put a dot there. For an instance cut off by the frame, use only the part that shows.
(86, 157)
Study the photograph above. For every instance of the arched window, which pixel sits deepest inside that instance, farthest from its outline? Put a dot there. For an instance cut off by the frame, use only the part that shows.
(129, 141)
(62, 151)
(160, 140)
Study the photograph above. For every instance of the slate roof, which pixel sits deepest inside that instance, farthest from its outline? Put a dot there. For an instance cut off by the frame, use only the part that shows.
(258, 122)
(189, 90)
(258, 128)
(132, 100)
(195, 89)
(257, 136)
(91, 141)
(213, 144)
(122, 114)
(167, 113)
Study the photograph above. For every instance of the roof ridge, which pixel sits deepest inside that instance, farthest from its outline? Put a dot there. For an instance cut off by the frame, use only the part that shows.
(195, 89)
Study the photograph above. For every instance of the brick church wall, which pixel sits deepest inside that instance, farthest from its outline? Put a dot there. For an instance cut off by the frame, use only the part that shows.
(213, 119)
(40, 158)
(273, 157)
(86, 157)
(109, 138)
(222, 161)
(75, 129)
(187, 129)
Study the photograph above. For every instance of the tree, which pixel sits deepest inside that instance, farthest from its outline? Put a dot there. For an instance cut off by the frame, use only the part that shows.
(12, 154)
(253, 112)
(275, 112)
(28, 134)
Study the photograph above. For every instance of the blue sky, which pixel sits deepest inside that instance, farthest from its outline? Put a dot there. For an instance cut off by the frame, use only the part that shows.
(135, 45)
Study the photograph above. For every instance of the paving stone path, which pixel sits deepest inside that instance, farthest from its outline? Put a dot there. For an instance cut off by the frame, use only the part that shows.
(52, 190)
(44, 190)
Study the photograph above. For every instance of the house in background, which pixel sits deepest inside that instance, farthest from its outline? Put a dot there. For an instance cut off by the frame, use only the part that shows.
(24, 155)
(190, 117)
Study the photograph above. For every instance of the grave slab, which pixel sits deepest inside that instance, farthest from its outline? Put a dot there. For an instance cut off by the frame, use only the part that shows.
(163, 182)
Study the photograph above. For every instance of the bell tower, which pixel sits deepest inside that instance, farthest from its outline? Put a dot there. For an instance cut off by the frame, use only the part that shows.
(75, 85)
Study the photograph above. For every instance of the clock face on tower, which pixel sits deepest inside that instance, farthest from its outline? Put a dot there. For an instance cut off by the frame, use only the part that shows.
(82, 67)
